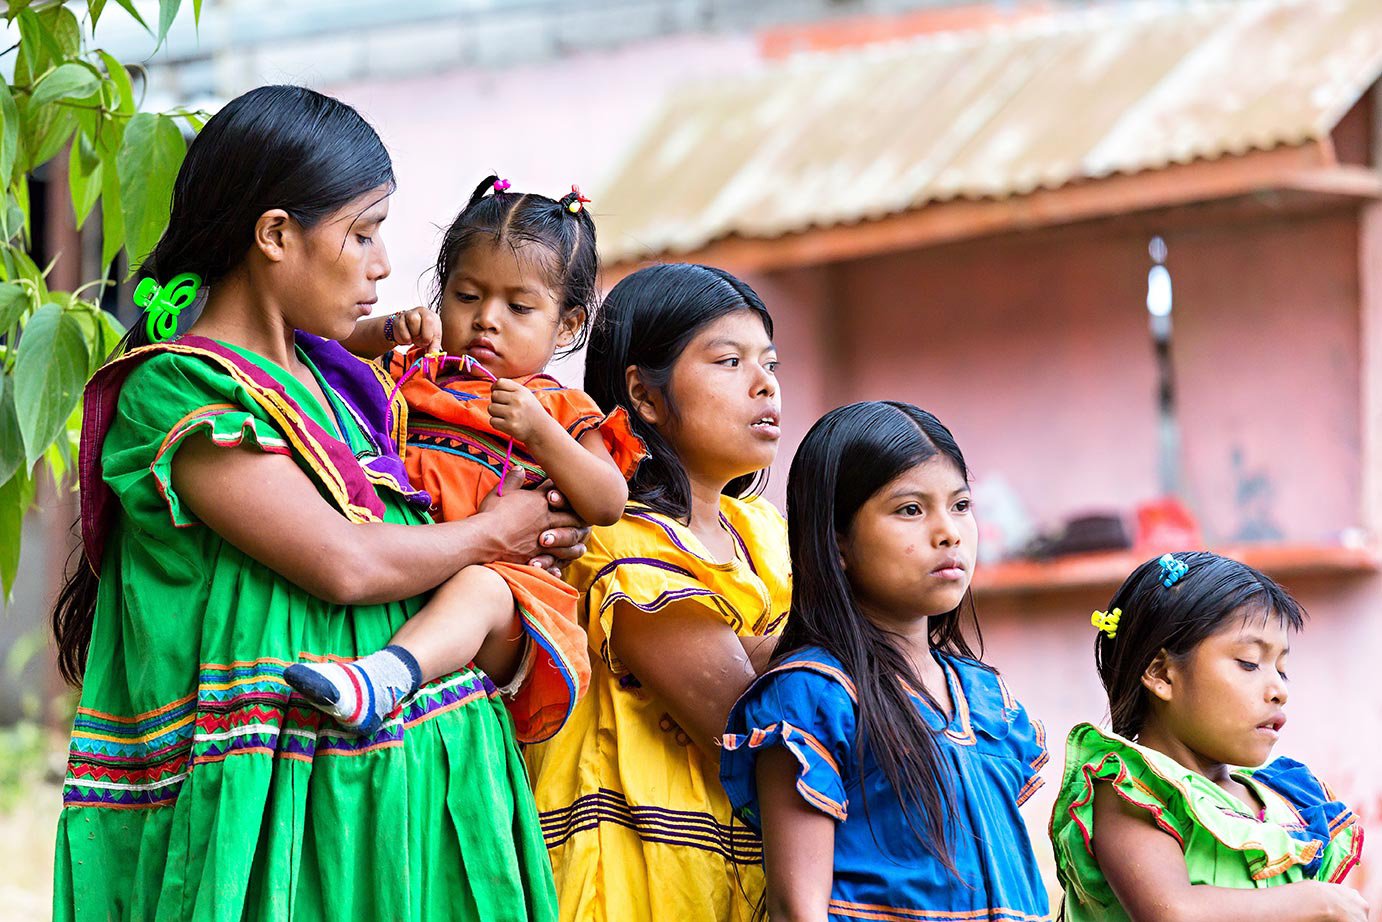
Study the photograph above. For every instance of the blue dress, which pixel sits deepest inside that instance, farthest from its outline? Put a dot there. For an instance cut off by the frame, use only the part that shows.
(883, 870)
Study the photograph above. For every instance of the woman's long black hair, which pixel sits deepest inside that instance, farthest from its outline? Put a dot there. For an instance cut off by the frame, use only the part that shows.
(647, 320)
(1213, 593)
(274, 147)
(849, 455)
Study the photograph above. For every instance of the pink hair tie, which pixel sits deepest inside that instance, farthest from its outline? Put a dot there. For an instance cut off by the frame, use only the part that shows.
(501, 185)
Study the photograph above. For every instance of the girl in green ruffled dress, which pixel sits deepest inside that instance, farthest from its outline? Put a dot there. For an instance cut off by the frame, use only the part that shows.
(1155, 821)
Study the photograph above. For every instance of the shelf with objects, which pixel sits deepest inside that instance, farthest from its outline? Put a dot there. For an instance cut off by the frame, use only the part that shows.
(1107, 569)
(1098, 551)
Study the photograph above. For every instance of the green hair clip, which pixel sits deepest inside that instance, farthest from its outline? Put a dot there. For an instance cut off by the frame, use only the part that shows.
(163, 303)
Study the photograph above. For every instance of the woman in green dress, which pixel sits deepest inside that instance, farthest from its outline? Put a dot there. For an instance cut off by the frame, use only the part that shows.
(244, 507)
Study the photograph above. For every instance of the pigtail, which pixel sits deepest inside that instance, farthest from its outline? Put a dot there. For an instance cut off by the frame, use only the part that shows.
(490, 183)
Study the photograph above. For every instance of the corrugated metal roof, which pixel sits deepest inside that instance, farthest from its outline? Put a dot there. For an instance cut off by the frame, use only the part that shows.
(835, 138)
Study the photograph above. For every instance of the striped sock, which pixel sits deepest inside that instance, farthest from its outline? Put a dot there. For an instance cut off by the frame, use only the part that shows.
(361, 693)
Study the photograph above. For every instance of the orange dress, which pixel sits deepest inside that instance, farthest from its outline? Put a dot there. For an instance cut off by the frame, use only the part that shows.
(455, 454)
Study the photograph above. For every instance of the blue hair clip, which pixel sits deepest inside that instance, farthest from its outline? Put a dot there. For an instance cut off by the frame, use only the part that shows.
(1172, 570)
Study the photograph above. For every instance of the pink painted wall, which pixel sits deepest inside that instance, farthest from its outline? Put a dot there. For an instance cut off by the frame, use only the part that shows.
(1034, 349)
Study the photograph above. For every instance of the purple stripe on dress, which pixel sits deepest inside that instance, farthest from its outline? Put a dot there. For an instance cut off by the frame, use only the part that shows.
(666, 814)
(741, 853)
(662, 601)
(648, 517)
(610, 567)
(743, 547)
(652, 824)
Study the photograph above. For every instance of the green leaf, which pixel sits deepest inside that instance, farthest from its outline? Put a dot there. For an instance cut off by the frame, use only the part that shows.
(112, 330)
(167, 12)
(19, 191)
(48, 376)
(14, 301)
(99, 336)
(83, 178)
(197, 11)
(112, 217)
(120, 75)
(16, 495)
(37, 47)
(95, 8)
(148, 164)
(58, 457)
(66, 31)
(46, 129)
(9, 131)
(128, 6)
(69, 81)
(25, 268)
(11, 441)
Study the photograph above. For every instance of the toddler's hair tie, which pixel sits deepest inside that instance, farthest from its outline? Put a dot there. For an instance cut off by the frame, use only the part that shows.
(501, 185)
(1107, 621)
(1172, 570)
(163, 303)
(574, 201)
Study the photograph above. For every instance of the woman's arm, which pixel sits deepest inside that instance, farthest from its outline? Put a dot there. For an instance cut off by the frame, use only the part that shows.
(1146, 869)
(690, 659)
(798, 843)
(267, 507)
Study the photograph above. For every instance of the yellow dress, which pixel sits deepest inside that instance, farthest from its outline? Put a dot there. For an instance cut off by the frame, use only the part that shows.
(634, 817)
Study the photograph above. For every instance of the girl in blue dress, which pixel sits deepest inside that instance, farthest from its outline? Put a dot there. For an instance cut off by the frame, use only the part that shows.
(882, 761)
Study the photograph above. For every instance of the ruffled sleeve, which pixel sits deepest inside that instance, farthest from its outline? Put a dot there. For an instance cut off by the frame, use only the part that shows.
(165, 400)
(802, 707)
(1327, 823)
(579, 414)
(648, 584)
(1180, 803)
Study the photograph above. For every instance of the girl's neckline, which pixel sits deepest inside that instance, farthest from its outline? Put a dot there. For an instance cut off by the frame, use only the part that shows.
(955, 724)
(1262, 793)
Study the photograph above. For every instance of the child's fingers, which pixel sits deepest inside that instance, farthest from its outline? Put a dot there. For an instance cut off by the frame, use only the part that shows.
(430, 331)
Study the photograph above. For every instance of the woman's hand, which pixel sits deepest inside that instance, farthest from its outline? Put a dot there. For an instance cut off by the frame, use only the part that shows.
(533, 526)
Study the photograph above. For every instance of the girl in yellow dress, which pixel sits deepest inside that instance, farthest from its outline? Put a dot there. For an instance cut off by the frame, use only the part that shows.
(682, 599)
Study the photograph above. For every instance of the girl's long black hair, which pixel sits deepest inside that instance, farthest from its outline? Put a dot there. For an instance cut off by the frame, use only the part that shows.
(849, 455)
(274, 147)
(1213, 592)
(647, 320)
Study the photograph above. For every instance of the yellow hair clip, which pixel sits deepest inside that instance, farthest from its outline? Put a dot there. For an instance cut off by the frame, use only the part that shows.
(1107, 621)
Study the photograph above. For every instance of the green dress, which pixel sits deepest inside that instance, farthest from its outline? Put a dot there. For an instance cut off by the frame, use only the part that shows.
(196, 789)
(1304, 834)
